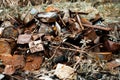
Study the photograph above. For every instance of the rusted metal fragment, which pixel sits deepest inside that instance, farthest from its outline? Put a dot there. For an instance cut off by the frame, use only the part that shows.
(24, 39)
(4, 47)
(65, 72)
(36, 46)
(16, 60)
(33, 63)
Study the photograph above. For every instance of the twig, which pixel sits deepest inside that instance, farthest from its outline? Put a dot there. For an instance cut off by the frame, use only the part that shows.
(61, 20)
(76, 50)
(97, 27)
(94, 46)
(71, 45)
(53, 54)
(71, 12)
(79, 21)
(77, 63)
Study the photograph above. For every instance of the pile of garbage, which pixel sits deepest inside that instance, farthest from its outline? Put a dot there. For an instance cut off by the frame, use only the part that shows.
(56, 44)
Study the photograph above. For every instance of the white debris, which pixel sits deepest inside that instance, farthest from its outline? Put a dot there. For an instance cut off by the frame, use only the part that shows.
(36, 46)
(2, 76)
(65, 72)
(45, 78)
(1, 30)
(58, 28)
(33, 11)
(1, 11)
(117, 60)
(47, 15)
